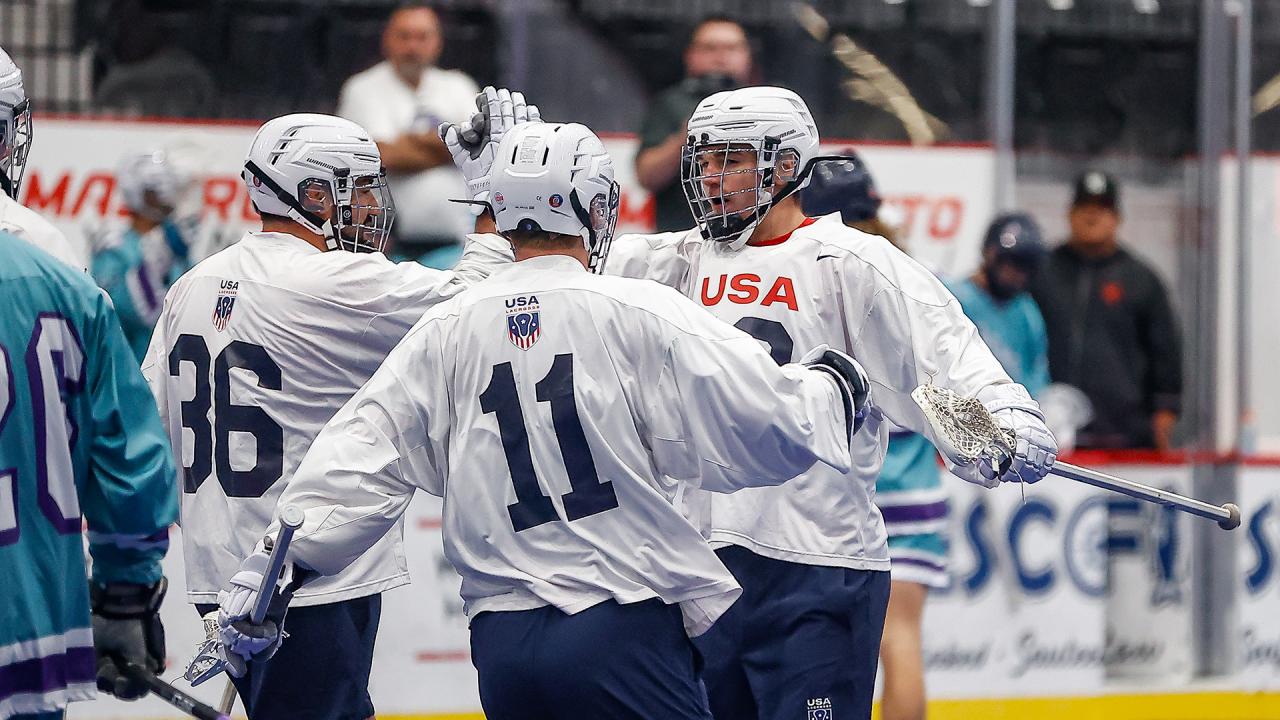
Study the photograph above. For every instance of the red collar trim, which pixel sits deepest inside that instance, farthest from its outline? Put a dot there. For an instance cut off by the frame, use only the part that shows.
(781, 238)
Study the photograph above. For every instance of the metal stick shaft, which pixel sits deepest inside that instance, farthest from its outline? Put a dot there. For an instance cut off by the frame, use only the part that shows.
(290, 520)
(1137, 490)
(171, 694)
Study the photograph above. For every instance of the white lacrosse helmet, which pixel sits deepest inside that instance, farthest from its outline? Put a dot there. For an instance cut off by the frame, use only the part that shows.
(15, 126)
(558, 178)
(771, 122)
(324, 172)
(150, 185)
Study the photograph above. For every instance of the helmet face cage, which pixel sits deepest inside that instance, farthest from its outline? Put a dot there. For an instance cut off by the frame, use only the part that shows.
(600, 217)
(358, 211)
(705, 161)
(15, 143)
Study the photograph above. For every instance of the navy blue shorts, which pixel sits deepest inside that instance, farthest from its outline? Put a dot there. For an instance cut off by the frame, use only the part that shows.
(800, 644)
(607, 662)
(321, 671)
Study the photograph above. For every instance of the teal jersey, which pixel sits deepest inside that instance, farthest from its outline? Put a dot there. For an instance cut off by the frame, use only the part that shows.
(80, 440)
(136, 271)
(1014, 330)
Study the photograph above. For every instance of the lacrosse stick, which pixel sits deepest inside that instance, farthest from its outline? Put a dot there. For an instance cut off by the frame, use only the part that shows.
(971, 433)
(207, 663)
(171, 694)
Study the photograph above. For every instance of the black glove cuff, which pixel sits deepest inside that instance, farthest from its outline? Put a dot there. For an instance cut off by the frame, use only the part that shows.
(126, 601)
(855, 388)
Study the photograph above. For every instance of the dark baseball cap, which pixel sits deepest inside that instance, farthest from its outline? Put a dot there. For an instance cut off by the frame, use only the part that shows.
(1097, 188)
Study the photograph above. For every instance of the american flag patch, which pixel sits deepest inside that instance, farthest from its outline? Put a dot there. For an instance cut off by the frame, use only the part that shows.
(524, 325)
(225, 303)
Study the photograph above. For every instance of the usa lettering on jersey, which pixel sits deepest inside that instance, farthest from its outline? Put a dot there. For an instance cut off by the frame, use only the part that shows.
(745, 289)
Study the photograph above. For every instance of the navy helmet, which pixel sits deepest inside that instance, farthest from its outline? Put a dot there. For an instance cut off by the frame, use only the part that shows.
(844, 186)
(1015, 237)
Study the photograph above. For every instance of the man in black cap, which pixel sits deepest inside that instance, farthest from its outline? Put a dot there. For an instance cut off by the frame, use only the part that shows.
(1111, 330)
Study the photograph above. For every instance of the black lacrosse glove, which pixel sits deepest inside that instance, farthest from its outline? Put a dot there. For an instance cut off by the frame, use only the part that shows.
(851, 380)
(126, 628)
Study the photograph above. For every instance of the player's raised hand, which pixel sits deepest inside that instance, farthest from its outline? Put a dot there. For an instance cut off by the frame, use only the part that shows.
(473, 144)
(472, 154)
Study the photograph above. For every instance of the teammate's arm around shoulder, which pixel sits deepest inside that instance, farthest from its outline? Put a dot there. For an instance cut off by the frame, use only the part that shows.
(360, 473)
(723, 414)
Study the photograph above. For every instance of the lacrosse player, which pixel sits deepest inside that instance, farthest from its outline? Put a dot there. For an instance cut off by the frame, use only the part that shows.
(563, 417)
(757, 262)
(255, 349)
(15, 143)
(79, 436)
(909, 490)
(138, 262)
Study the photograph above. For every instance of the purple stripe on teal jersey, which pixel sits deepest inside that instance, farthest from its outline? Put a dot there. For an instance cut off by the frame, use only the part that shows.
(49, 673)
(149, 299)
(915, 513)
(158, 539)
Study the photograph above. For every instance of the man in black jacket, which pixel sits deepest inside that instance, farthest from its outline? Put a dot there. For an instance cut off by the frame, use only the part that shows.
(1111, 330)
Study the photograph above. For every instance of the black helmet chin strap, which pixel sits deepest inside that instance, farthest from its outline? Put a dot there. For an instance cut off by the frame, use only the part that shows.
(281, 194)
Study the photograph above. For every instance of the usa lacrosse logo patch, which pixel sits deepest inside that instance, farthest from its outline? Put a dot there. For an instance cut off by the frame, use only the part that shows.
(524, 325)
(819, 708)
(225, 303)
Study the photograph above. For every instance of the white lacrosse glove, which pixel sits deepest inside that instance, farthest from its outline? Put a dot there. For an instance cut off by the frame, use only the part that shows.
(1034, 449)
(241, 640)
(473, 146)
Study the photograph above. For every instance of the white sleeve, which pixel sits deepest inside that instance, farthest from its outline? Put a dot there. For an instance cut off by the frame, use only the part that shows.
(723, 415)
(360, 473)
(907, 329)
(482, 253)
(412, 289)
(155, 370)
(650, 257)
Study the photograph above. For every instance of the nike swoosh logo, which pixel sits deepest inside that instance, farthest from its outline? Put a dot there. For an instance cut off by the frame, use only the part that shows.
(820, 257)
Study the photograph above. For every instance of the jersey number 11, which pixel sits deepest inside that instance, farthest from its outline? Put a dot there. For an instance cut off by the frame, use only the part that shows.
(531, 509)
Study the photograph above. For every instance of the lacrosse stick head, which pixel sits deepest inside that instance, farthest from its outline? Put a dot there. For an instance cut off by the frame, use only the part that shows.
(208, 660)
(965, 428)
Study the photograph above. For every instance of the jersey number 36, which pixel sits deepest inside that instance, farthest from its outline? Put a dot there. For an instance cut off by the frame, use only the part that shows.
(211, 445)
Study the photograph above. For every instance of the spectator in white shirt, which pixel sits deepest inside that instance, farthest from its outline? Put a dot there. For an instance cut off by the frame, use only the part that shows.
(401, 101)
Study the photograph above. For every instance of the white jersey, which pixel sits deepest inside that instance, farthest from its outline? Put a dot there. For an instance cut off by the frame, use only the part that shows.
(256, 348)
(28, 225)
(824, 284)
(562, 416)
